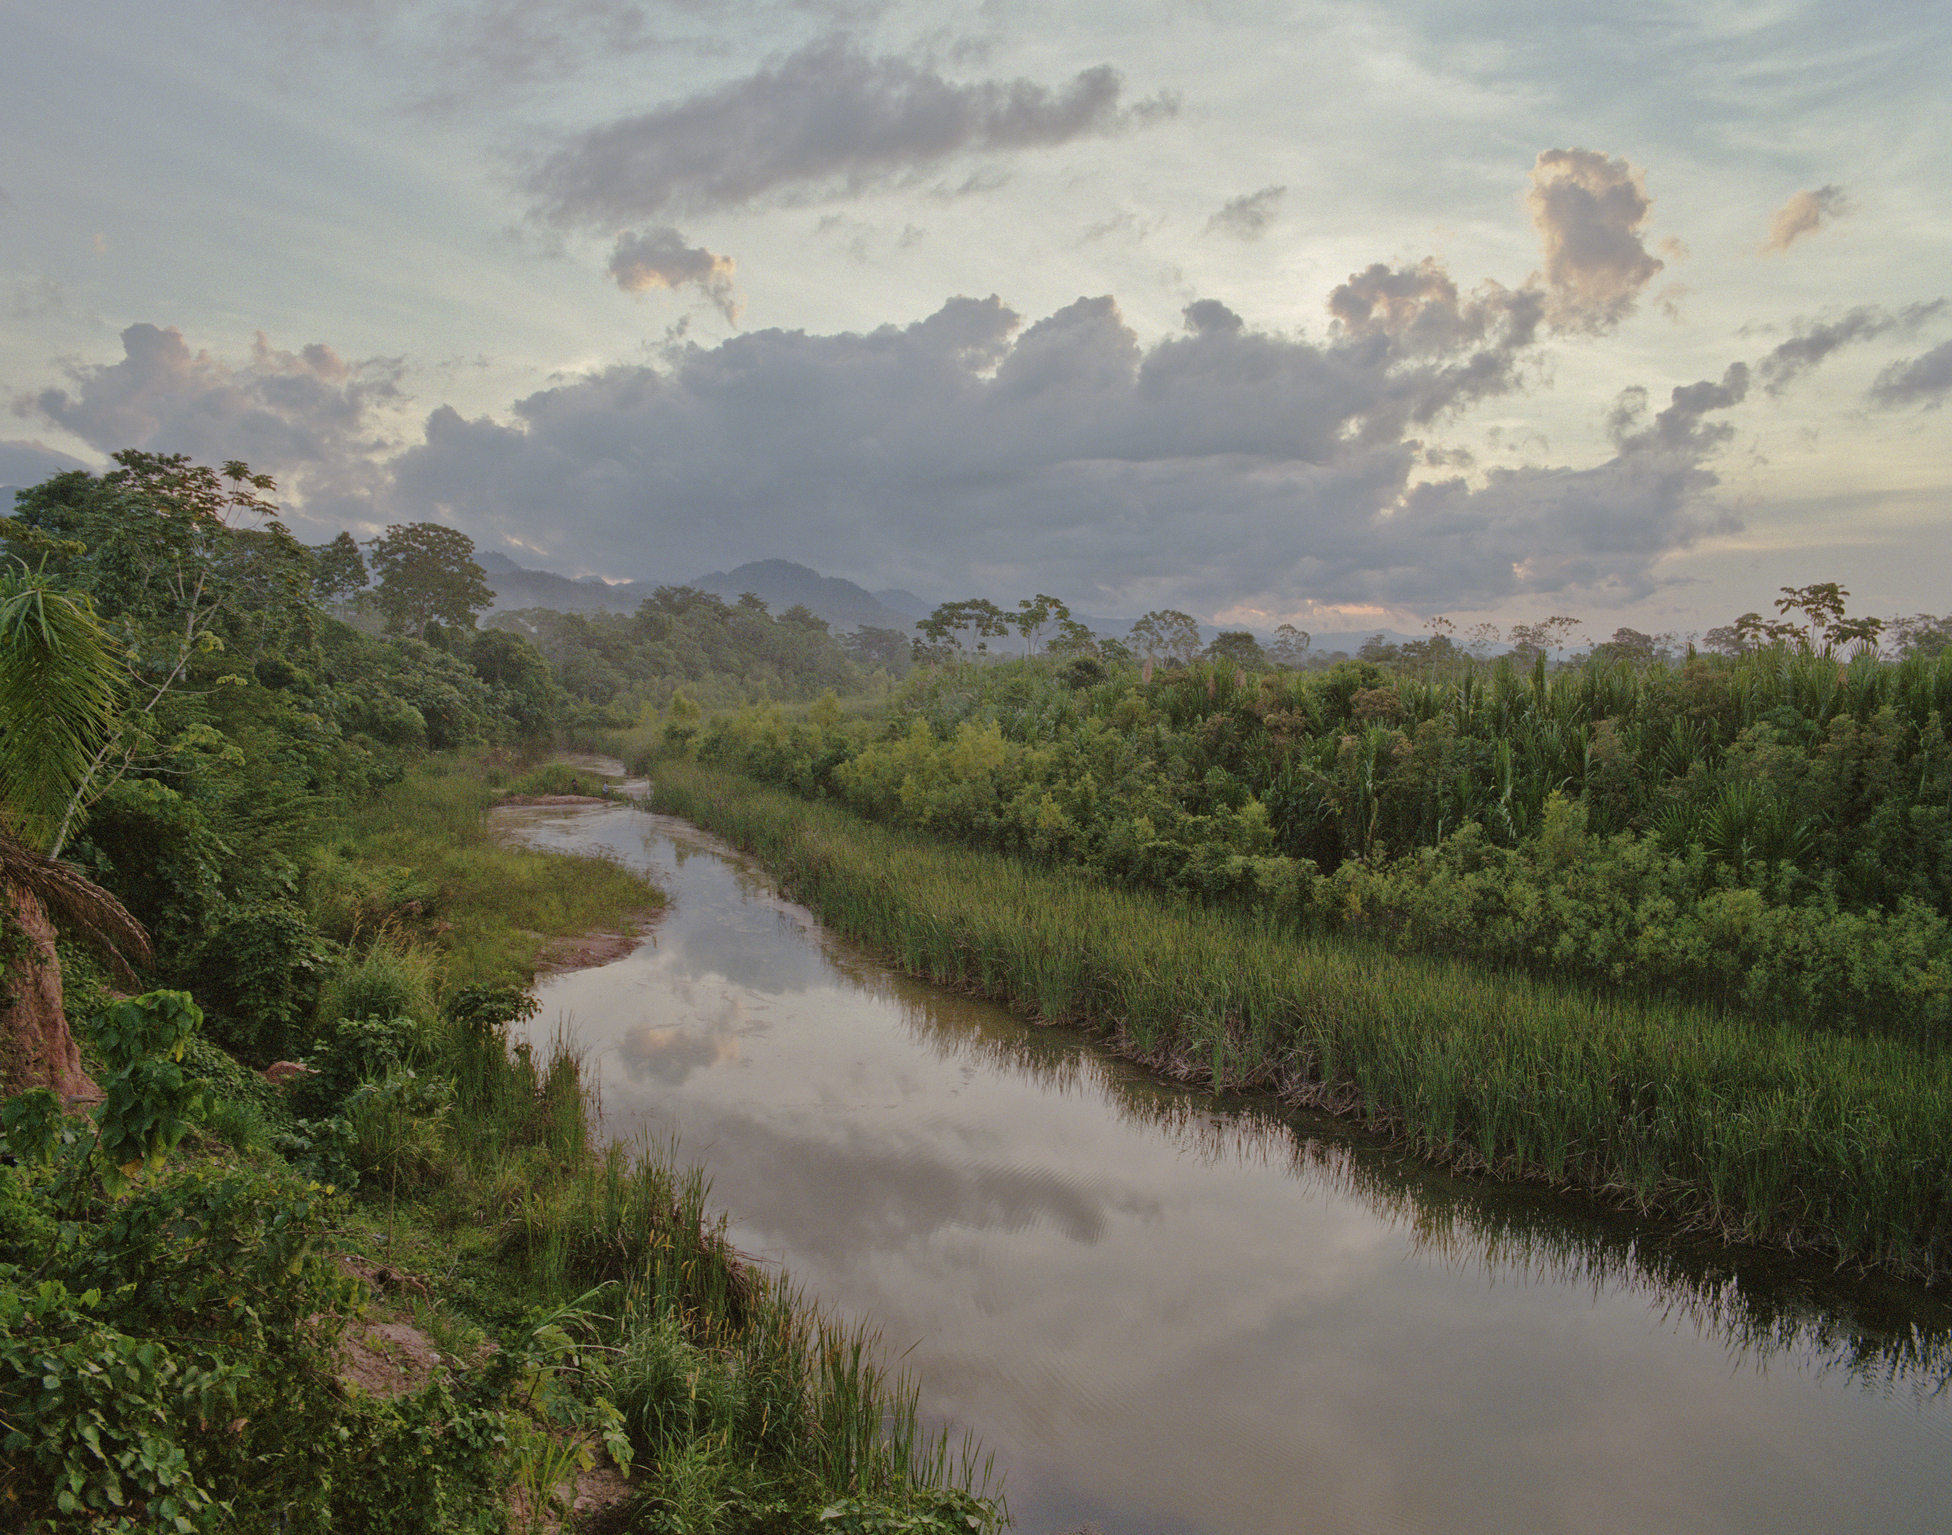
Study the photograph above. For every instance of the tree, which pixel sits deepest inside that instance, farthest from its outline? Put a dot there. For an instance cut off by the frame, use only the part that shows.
(940, 635)
(1166, 634)
(885, 648)
(1921, 634)
(1289, 647)
(1431, 653)
(187, 600)
(427, 574)
(1824, 629)
(1530, 641)
(1637, 649)
(1822, 604)
(58, 679)
(1238, 648)
(338, 569)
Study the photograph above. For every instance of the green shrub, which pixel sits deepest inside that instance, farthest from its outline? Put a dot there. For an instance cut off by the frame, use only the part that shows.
(391, 979)
(258, 976)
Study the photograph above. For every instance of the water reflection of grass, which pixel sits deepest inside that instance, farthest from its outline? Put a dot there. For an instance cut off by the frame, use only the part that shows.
(1825, 1143)
(1758, 1305)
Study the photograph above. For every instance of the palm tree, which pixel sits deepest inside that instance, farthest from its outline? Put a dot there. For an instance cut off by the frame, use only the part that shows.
(57, 699)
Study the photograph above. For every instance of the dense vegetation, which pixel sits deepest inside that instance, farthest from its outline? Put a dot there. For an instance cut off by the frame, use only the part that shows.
(1771, 831)
(1777, 1133)
(1675, 931)
(184, 1267)
(684, 642)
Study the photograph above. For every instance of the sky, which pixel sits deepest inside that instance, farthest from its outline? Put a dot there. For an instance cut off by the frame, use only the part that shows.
(1335, 314)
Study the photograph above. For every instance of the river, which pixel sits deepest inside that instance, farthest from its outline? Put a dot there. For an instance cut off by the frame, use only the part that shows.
(1170, 1314)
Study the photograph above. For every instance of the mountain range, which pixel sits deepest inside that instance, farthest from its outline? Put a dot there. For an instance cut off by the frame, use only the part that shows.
(782, 584)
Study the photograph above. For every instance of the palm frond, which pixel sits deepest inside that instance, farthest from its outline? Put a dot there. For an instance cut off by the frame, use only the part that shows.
(88, 910)
(57, 699)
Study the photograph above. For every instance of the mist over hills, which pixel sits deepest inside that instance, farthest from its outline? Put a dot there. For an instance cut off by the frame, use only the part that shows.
(781, 584)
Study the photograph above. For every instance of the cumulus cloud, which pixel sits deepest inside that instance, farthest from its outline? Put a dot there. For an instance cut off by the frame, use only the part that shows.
(971, 449)
(306, 416)
(827, 120)
(1922, 380)
(1804, 214)
(1421, 311)
(659, 258)
(1812, 343)
(1248, 216)
(1588, 210)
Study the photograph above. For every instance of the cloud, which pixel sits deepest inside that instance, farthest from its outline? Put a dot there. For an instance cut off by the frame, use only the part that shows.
(972, 450)
(1812, 343)
(1922, 380)
(1420, 310)
(1248, 216)
(1209, 314)
(659, 258)
(1588, 210)
(1802, 215)
(306, 416)
(825, 121)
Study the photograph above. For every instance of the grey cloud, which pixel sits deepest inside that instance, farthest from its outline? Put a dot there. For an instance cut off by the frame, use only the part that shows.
(1812, 343)
(1248, 216)
(305, 416)
(1680, 428)
(1922, 380)
(659, 258)
(1802, 215)
(970, 450)
(826, 120)
(1588, 210)
(1209, 314)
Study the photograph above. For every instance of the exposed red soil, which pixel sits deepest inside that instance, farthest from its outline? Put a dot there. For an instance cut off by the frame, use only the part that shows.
(585, 951)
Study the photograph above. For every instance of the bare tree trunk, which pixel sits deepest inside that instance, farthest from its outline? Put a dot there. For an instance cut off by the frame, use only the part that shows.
(36, 1047)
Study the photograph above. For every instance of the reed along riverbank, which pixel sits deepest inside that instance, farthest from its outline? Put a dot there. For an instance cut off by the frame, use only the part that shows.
(1819, 1142)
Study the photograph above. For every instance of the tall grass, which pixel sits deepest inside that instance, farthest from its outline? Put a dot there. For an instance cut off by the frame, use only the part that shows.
(746, 1406)
(1820, 1142)
(423, 862)
(743, 1400)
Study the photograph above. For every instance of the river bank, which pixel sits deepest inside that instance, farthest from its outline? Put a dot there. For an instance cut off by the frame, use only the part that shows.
(1171, 1312)
(1816, 1143)
(408, 1287)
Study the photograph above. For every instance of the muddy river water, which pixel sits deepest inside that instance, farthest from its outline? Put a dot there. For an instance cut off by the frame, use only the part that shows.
(1166, 1312)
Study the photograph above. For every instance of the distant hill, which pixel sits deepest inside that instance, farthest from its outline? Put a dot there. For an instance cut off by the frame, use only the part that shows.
(28, 463)
(904, 602)
(517, 587)
(781, 584)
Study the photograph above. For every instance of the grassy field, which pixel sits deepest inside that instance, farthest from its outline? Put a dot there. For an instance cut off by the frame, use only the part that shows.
(1813, 1141)
(423, 862)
